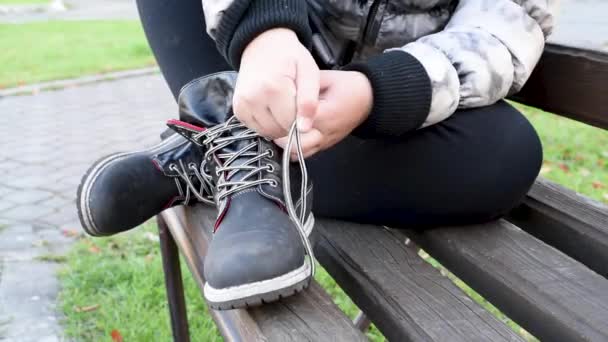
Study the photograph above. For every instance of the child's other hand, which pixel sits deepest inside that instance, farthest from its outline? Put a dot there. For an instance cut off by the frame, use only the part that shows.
(278, 79)
(345, 102)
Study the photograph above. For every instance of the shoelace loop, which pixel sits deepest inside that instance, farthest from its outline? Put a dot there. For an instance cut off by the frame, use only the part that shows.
(204, 193)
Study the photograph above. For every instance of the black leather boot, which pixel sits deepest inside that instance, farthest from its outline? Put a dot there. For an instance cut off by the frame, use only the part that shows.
(123, 190)
(258, 253)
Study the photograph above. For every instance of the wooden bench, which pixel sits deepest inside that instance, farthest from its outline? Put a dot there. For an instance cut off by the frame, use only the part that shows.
(545, 265)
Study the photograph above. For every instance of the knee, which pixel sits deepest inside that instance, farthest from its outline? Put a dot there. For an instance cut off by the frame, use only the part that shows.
(518, 160)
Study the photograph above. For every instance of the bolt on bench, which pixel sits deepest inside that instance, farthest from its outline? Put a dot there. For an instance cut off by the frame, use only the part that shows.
(545, 265)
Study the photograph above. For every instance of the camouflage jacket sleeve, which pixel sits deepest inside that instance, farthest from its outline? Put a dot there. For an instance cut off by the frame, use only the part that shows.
(234, 23)
(487, 51)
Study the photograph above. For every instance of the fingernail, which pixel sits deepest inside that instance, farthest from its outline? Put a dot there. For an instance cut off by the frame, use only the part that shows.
(304, 124)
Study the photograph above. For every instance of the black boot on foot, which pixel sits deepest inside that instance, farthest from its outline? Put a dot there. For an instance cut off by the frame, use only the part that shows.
(123, 190)
(258, 254)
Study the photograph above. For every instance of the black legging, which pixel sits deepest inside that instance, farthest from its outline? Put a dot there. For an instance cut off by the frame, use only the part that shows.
(472, 167)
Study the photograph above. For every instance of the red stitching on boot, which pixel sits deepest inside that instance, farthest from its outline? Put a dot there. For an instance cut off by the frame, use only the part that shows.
(221, 217)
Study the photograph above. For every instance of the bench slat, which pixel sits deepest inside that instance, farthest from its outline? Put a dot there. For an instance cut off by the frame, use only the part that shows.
(571, 82)
(402, 294)
(550, 294)
(310, 316)
(573, 223)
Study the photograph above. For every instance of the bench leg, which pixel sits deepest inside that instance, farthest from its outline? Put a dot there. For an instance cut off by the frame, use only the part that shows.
(361, 322)
(173, 283)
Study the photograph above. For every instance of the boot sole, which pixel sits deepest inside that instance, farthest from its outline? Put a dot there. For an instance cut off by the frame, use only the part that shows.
(258, 293)
(91, 176)
(265, 291)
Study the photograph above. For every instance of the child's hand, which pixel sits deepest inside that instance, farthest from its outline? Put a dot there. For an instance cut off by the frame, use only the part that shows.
(278, 78)
(345, 102)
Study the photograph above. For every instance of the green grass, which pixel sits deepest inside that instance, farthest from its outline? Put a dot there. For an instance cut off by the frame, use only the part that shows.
(575, 154)
(121, 278)
(43, 51)
(22, 2)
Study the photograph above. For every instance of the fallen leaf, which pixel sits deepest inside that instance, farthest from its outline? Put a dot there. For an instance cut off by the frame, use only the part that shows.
(94, 249)
(86, 308)
(545, 169)
(585, 172)
(597, 185)
(605, 154)
(564, 168)
(70, 232)
(116, 336)
(149, 258)
(600, 162)
(606, 197)
(578, 157)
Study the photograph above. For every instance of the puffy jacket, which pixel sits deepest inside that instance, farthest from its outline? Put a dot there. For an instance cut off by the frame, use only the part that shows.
(424, 58)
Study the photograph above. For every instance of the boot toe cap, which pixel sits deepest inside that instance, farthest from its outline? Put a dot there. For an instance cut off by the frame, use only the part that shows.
(119, 193)
(251, 257)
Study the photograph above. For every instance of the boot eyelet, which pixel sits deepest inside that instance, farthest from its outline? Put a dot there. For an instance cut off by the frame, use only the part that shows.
(273, 183)
(172, 167)
(192, 165)
(270, 153)
(270, 168)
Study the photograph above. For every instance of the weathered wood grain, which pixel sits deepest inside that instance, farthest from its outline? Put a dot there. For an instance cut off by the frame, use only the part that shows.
(309, 316)
(573, 223)
(571, 82)
(404, 296)
(550, 294)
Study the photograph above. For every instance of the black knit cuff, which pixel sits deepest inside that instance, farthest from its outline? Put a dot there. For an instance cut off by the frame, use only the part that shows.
(402, 94)
(246, 19)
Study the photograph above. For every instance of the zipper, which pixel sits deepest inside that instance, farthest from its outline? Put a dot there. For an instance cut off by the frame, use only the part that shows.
(370, 27)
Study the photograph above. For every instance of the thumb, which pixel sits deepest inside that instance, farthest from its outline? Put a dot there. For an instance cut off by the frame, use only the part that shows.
(307, 92)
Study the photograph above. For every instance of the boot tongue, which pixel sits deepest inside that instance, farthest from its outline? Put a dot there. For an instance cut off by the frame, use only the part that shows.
(206, 101)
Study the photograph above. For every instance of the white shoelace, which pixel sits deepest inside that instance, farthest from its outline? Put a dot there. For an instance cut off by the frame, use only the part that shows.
(291, 210)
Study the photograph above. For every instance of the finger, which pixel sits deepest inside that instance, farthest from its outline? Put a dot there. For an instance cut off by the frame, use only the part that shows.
(310, 141)
(254, 114)
(283, 106)
(307, 86)
(264, 123)
(243, 110)
(327, 78)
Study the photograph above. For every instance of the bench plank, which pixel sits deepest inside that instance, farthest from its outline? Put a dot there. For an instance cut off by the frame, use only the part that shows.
(571, 82)
(310, 316)
(402, 294)
(550, 294)
(573, 223)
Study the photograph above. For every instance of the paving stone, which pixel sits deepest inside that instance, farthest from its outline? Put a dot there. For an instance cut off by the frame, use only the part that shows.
(57, 202)
(25, 212)
(46, 144)
(6, 205)
(66, 214)
(27, 182)
(6, 190)
(28, 196)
